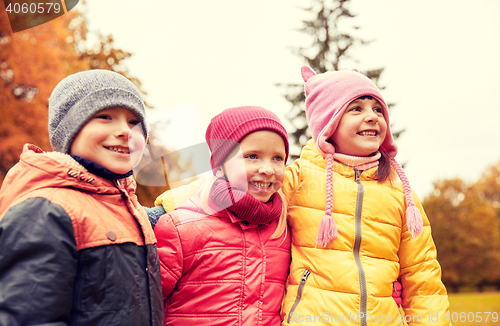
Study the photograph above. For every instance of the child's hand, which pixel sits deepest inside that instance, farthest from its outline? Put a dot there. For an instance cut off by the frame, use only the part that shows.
(397, 291)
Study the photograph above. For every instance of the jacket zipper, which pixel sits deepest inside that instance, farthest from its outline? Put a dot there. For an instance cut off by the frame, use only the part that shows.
(357, 245)
(303, 280)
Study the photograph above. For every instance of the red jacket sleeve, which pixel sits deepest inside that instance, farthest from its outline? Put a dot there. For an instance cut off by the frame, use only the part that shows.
(169, 252)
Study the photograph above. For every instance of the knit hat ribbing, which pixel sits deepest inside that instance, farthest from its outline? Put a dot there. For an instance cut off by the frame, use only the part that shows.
(327, 97)
(80, 96)
(229, 127)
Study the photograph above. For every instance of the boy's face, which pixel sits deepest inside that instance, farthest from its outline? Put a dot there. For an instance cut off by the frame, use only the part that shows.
(257, 164)
(110, 140)
(361, 130)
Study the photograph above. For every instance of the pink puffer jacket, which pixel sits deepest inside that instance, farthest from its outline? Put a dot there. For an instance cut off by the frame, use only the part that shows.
(218, 270)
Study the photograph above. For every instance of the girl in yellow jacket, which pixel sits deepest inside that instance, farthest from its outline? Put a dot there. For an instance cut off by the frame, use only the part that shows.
(356, 225)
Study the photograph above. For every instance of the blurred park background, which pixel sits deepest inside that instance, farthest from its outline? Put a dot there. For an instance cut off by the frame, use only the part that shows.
(436, 61)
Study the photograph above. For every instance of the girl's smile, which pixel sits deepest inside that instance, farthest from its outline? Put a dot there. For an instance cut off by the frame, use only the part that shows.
(258, 165)
(362, 129)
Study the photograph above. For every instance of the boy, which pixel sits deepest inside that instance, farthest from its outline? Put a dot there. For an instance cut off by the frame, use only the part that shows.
(76, 248)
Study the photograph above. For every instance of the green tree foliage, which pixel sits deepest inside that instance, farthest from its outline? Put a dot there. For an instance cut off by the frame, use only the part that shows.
(332, 45)
(466, 230)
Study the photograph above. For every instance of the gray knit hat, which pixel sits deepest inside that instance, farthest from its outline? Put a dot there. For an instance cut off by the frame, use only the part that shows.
(79, 96)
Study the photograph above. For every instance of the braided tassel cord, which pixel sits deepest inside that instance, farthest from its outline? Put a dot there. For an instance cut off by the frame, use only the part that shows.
(413, 216)
(328, 228)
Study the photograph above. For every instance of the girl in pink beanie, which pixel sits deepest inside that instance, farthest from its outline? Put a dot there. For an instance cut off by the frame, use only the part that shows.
(225, 252)
(356, 224)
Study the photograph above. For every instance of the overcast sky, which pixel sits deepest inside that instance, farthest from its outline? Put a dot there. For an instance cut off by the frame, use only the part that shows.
(441, 60)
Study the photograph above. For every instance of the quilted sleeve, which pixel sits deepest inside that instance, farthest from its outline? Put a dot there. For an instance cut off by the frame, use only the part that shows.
(424, 293)
(173, 198)
(169, 252)
(291, 183)
(38, 264)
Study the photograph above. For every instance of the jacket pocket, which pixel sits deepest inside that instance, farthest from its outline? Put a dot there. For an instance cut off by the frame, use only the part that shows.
(303, 281)
(111, 278)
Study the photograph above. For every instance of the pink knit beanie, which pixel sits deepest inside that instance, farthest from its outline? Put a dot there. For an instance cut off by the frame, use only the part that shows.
(327, 97)
(229, 127)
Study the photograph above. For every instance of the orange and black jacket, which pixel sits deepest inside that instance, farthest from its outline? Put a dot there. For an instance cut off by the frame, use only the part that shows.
(75, 248)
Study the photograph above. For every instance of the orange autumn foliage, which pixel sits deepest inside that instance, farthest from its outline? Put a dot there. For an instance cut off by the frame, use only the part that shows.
(32, 62)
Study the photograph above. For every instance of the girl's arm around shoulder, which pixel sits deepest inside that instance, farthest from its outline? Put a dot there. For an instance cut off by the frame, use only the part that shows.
(38, 264)
(169, 252)
(424, 293)
(291, 183)
(154, 214)
(175, 197)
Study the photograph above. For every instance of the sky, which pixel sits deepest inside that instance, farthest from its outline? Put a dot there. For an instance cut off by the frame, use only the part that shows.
(442, 69)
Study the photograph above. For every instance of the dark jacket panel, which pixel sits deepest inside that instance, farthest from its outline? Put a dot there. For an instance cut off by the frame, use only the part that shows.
(75, 248)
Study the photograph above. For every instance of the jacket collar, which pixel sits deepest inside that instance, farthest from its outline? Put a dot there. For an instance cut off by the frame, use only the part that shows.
(59, 169)
(313, 155)
(192, 210)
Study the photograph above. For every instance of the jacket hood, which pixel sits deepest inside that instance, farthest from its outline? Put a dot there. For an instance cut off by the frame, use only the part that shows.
(37, 169)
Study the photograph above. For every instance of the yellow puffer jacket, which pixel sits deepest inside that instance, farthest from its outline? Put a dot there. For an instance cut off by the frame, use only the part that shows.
(349, 282)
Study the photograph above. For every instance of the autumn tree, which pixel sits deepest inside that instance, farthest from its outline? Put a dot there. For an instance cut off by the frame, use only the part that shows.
(333, 43)
(488, 186)
(466, 231)
(160, 167)
(32, 63)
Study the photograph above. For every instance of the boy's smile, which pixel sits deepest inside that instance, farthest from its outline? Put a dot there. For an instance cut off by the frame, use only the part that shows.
(119, 149)
(361, 130)
(111, 139)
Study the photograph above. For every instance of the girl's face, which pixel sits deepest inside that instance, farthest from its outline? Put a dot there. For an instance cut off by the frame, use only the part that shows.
(111, 139)
(361, 130)
(257, 165)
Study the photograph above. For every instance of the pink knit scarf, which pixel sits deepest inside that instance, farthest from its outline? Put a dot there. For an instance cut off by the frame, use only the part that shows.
(244, 205)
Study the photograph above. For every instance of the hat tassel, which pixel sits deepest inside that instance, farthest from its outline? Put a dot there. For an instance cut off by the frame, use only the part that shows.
(413, 216)
(328, 228)
(414, 221)
(327, 231)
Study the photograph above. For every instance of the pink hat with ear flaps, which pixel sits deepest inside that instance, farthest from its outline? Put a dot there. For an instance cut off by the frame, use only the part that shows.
(327, 97)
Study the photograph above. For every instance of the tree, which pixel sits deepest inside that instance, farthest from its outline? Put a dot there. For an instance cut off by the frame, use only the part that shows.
(32, 63)
(466, 231)
(159, 168)
(331, 46)
(489, 186)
